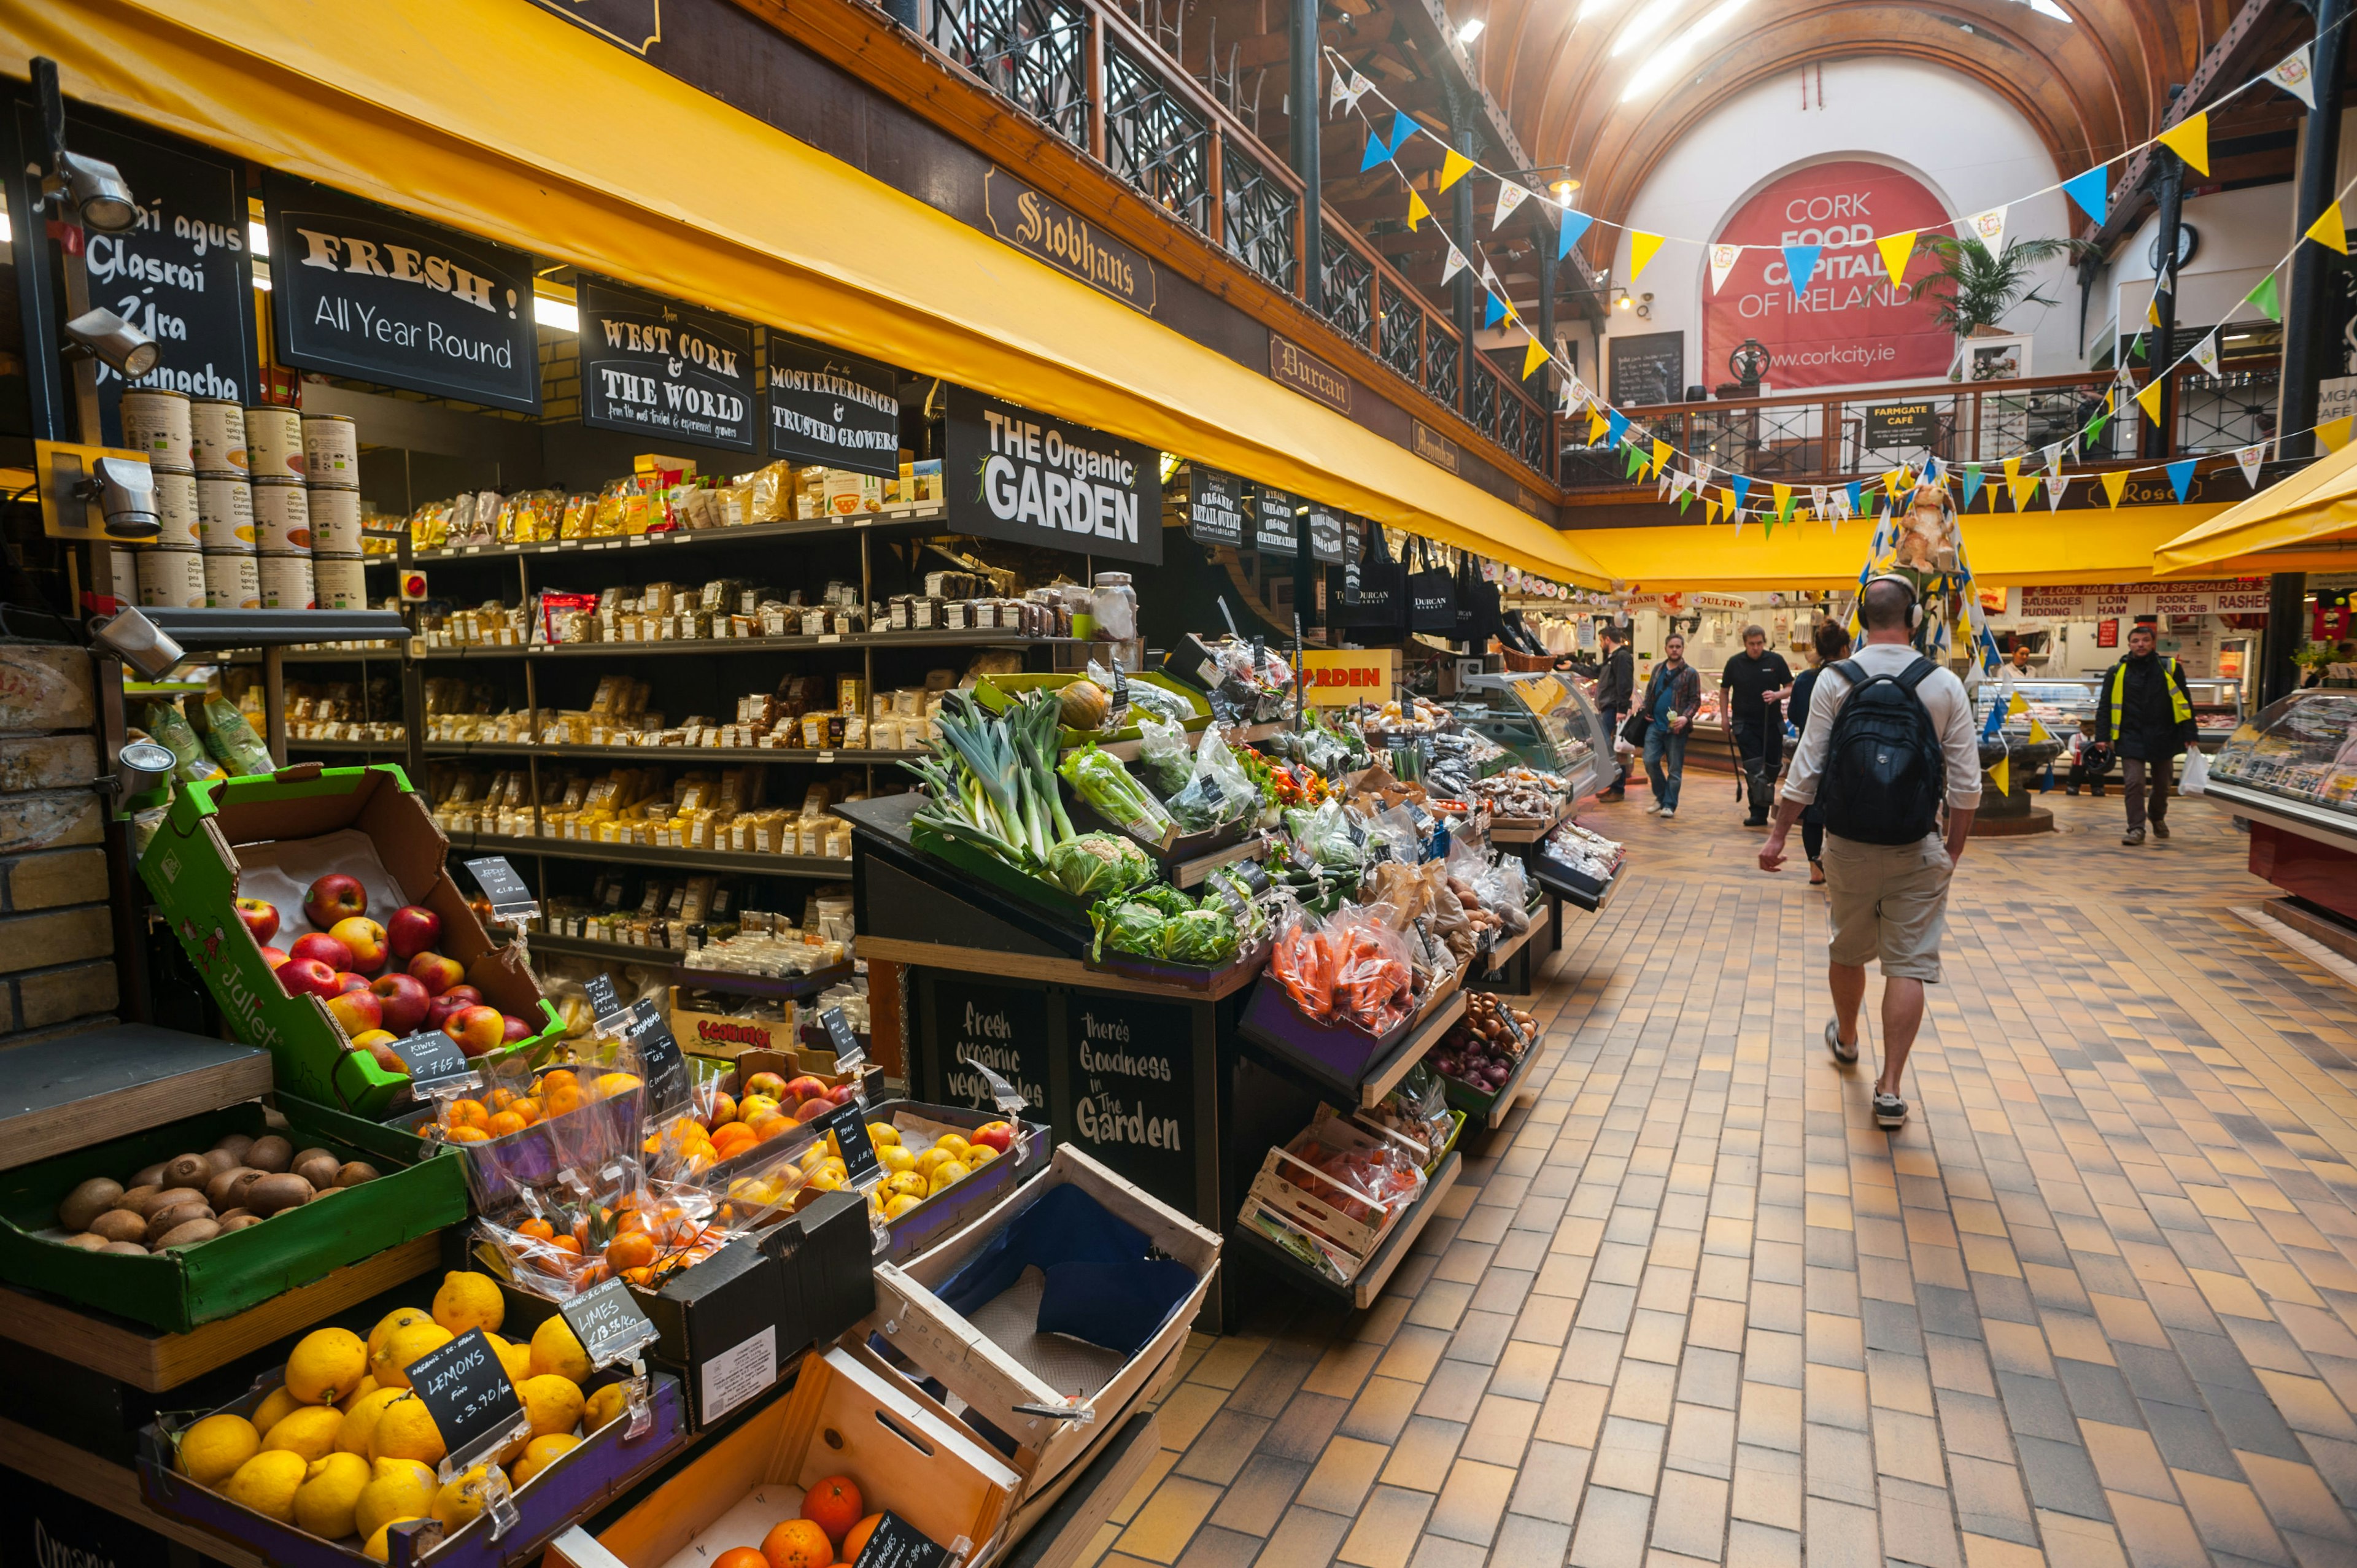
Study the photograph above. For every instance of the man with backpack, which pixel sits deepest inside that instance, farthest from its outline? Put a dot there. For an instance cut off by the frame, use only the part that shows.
(1889, 739)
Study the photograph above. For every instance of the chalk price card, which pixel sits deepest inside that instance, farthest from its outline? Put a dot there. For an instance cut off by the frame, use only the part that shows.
(466, 1393)
(659, 1057)
(502, 887)
(609, 1322)
(896, 1544)
(652, 366)
(432, 1056)
(848, 1123)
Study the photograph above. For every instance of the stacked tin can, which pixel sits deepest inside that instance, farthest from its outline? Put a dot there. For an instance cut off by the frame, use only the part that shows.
(224, 505)
(282, 507)
(168, 571)
(331, 463)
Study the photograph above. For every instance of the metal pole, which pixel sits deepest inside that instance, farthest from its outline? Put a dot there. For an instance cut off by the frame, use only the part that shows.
(2287, 606)
(1548, 269)
(1303, 119)
(2170, 169)
(1461, 214)
(2309, 357)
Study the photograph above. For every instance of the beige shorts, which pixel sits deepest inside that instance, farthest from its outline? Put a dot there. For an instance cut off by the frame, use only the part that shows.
(1888, 901)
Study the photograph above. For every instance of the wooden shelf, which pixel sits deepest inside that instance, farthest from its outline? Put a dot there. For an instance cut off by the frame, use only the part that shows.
(1362, 1291)
(1385, 1076)
(822, 867)
(1504, 953)
(1055, 970)
(934, 513)
(724, 645)
(105, 1484)
(792, 756)
(111, 1082)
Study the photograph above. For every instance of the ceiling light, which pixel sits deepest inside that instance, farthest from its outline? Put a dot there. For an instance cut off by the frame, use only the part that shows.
(1470, 31)
(1644, 25)
(95, 193)
(1564, 187)
(257, 239)
(562, 314)
(1667, 60)
(110, 338)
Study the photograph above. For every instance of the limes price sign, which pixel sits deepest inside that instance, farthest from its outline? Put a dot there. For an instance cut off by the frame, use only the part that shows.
(609, 1322)
(466, 1392)
(896, 1544)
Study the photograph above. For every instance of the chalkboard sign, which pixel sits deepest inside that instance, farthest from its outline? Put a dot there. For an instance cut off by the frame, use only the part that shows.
(660, 1059)
(848, 1123)
(848, 1057)
(896, 1544)
(605, 1002)
(1003, 1027)
(1035, 479)
(609, 1323)
(1650, 368)
(655, 367)
(1273, 523)
(1898, 426)
(364, 291)
(1132, 1082)
(1215, 507)
(1325, 534)
(466, 1392)
(502, 887)
(432, 1056)
(832, 408)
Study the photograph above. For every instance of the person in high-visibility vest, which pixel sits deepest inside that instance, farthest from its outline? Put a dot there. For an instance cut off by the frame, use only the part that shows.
(2145, 715)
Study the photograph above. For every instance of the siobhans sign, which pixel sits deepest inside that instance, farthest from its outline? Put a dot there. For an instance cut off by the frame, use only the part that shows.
(1018, 475)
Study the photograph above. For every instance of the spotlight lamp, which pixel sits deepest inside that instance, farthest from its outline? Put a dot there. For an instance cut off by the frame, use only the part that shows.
(124, 488)
(138, 642)
(105, 336)
(92, 192)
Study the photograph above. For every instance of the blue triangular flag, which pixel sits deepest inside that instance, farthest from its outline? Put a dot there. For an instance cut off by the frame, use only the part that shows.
(1741, 486)
(1857, 490)
(2092, 191)
(2181, 478)
(1972, 486)
(1995, 719)
(1494, 311)
(1403, 127)
(1616, 425)
(1568, 233)
(1375, 153)
(1932, 470)
(1801, 265)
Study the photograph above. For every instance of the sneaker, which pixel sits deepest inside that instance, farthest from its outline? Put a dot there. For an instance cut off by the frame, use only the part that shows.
(1609, 796)
(1654, 810)
(1755, 821)
(1668, 812)
(1889, 1112)
(1843, 1054)
(2159, 829)
(2072, 791)
(2133, 836)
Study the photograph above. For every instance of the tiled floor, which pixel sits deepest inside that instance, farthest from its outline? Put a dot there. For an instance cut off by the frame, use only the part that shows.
(2094, 1306)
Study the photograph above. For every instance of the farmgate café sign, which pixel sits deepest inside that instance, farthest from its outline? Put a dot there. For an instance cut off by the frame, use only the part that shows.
(1032, 478)
(1067, 242)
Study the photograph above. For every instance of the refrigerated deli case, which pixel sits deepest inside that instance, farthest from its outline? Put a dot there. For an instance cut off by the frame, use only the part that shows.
(2291, 773)
(2059, 704)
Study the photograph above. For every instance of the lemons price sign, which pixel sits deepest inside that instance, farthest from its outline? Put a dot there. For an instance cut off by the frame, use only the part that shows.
(465, 1389)
(848, 1123)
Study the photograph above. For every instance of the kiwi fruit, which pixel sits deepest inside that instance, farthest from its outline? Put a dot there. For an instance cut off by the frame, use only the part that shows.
(148, 1176)
(235, 1146)
(273, 1193)
(355, 1172)
(120, 1225)
(238, 1221)
(219, 1160)
(189, 1233)
(139, 1193)
(273, 1154)
(89, 1241)
(318, 1167)
(216, 1191)
(87, 1201)
(125, 1247)
(226, 1215)
(164, 1222)
(187, 1170)
(161, 1199)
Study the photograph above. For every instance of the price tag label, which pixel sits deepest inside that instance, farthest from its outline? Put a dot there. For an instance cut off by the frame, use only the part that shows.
(848, 1057)
(466, 1392)
(510, 898)
(609, 1322)
(896, 1544)
(432, 1056)
(849, 1126)
(604, 1000)
(1011, 1103)
(659, 1057)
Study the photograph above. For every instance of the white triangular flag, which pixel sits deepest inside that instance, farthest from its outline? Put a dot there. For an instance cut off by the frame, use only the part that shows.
(1988, 228)
(2250, 457)
(1817, 502)
(2056, 483)
(1662, 483)
(1455, 264)
(2053, 456)
(2205, 354)
(1490, 278)
(2295, 77)
(1722, 262)
(1340, 90)
(1510, 195)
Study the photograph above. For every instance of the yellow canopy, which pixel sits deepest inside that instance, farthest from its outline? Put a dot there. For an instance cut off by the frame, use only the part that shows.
(500, 118)
(2313, 507)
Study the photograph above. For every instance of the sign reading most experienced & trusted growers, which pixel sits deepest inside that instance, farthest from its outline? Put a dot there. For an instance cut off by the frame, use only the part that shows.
(364, 291)
(652, 366)
(1018, 475)
(834, 408)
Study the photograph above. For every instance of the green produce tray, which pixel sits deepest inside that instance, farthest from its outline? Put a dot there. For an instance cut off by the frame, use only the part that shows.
(179, 1289)
(997, 694)
(986, 867)
(395, 1140)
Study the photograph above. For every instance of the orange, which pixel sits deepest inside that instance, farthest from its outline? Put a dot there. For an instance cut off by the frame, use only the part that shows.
(641, 1278)
(504, 1122)
(527, 1108)
(732, 1140)
(556, 1076)
(632, 1249)
(610, 1084)
(537, 1227)
(769, 1124)
(834, 1506)
(741, 1557)
(851, 1543)
(465, 1113)
(798, 1543)
(499, 1099)
(564, 1098)
(465, 1134)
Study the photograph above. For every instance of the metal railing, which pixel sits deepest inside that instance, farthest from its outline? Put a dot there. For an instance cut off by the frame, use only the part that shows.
(1347, 283)
(1034, 53)
(1259, 216)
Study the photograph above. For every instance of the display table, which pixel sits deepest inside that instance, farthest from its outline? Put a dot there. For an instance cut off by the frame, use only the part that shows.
(2011, 812)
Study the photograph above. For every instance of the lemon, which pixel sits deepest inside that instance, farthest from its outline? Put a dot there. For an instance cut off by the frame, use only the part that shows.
(211, 1450)
(331, 1490)
(380, 1541)
(404, 1345)
(824, 1180)
(275, 1406)
(406, 1430)
(311, 1432)
(901, 1203)
(541, 1453)
(469, 1301)
(397, 1488)
(367, 1386)
(359, 1429)
(932, 1160)
(267, 1484)
(948, 1174)
(894, 1158)
(461, 1499)
(553, 1403)
(883, 1136)
(326, 1364)
(604, 1406)
(556, 1350)
(399, 1317)
(516, 1359)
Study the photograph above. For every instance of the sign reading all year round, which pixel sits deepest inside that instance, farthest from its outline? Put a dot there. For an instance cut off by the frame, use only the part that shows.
(1032, 478)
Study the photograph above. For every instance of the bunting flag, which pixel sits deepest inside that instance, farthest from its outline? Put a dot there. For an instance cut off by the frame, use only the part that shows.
(2181, 475)
(1996, 720)
(1660, 454)
(1454, 166)
(2017, 706)
(1783, 494)
(2249, 458)
(1686, 499)
(1819, 500)
(1455, 264)
(2051, 455)
(2012, 471)
(1892, 481)
(2334, 432)
(2055, 484)
(1494, 311)
(1575, 224)
(2039, 735)
(2205, 354)
(1709, 511)
(1346, 94)
(2001, 773)
(1972, 485)
(1642, 248)
(1702, 478)
(2023, 489)
(1722, 262)
(1739, 515)
(2113, 483)
(1856, 494)
(2295, 76)
(2148, 399)
(1510, 195)
(1636, 461)
(1596, 425)
(1534, 357)
(1376, 153)
(2092, 191)
(1988, 228)
(2328, 230)
(2152, 309)
(1617, 423)
(1416, 210)
(2136, 349)
(1740, 488)
(2268, 299)
(2189, 140)
(1801, 265)
(1932, 472)
(1896, 250)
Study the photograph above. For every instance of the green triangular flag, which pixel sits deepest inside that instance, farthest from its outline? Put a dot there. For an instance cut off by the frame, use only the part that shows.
(2265, 297)
(2136, 349)
(1635, 457)
(1686, 499)
(2094, 435)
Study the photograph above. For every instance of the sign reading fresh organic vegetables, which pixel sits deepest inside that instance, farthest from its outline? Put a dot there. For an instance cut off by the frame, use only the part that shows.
(1132, 1081)
(1273, 523)
(364, 291)
(833, 408)
(1215, 507)
(652, 366)
(1033, 479)
(465, 1389)
(1001, 1028)
(609, 1322)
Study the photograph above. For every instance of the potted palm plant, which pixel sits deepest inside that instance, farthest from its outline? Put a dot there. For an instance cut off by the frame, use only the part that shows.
(1972, 290)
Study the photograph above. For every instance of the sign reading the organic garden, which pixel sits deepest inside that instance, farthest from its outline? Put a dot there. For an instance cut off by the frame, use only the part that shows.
(1033, 479)
(1215, 506)
(1067, 242)
(364, 291)
(652, 366)
(833, 408)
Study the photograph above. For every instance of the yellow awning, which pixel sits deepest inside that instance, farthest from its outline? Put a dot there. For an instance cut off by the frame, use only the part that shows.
(2312, 508)
(500, 118)
(2007, 549)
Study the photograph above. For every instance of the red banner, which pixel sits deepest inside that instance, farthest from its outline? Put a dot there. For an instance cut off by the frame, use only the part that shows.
(1852, 326)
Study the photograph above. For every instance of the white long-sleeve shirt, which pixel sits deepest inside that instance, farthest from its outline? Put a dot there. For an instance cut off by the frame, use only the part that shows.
(1944, 698)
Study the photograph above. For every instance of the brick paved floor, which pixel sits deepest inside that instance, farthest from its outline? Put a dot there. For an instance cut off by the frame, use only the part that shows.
(2094, 1305)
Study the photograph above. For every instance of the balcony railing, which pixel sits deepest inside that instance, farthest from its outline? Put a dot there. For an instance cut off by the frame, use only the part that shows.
(1260, 215)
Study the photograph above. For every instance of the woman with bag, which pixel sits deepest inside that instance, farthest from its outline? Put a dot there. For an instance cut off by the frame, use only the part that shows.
(1660, 724)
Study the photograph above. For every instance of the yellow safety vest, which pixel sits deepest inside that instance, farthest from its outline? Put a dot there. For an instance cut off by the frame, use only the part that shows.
(2180, 709)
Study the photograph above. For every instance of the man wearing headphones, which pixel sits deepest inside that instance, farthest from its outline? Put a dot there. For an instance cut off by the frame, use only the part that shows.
(1889, 741)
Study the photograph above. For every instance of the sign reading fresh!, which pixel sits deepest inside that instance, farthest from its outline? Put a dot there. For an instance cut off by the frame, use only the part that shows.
(653, 365)
(1033, 479)
(364, 291)
(833, 408)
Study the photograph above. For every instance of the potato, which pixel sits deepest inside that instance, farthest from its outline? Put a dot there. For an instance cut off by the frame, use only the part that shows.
(189, 1234)
(238, 1221)
(125, 1247)
(236, 1145)
(87, 1201)
(148, 1176)
(121, 1225)
(187, 1170)
(355, 1172)
(273, 1193)
(318, 1167)
(273, 1154)
(162, 1199)
(89, 1241)
(164, 1222)
(219, 1160)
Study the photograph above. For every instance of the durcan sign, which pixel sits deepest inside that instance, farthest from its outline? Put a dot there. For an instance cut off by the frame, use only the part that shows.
(652, 366)
(1016, 474)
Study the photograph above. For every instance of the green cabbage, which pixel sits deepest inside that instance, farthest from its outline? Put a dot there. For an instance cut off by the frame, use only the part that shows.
(1130, 926)
(1098, 866)
(1204, 936)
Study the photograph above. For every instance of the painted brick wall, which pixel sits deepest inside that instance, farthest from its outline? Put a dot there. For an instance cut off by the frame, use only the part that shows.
(57, 937)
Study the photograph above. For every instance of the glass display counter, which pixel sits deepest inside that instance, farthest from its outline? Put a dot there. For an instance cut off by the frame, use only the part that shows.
(1546, 720)
(2291, 773)
(2060, 702)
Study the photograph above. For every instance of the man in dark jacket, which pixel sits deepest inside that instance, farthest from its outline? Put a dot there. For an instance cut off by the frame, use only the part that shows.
(2145, 713)
(1615, 688)
(1754, 681)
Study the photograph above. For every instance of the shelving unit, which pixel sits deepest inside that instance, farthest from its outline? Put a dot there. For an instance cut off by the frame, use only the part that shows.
(1362, 1291)
(814, 865)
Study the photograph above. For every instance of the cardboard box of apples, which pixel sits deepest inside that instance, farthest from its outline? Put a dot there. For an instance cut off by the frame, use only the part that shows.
(315, 904)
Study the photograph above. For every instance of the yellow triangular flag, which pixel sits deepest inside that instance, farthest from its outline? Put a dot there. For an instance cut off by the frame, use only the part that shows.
(2334, 432)
(2330, 231)
(2039, 735)
(1783, 494)
(1416, 210)
(1660, 454)
(2023, 489)
(2189, 140)
(2018, 706)
(1897, 248)
(1596, 425)
(1532, 358)
(2113, 483)
(2001, 775)
(1454, 166)
(2148, 398)
(1641, 247)
(2152, 311)
(2012, 469)
(1710, 509)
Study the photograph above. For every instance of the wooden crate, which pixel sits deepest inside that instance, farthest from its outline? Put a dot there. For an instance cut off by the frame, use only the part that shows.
(1280, 1186)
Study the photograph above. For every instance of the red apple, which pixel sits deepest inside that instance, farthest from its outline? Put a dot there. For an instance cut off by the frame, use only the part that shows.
(996, 1134)
(347, 981)
(437, 973)
(477, 1029)
(811, 1110)
(273, 957)
(320, 945)
(404, 1000)
(333, 898)
(261, 918)
(411, 930)
(378, 1042)
(456, 1000)
(801, 1087)
(307, 977)
(844, 1093)
(767, 1083)
(357, 1011)
(366, 939)
(512, 1028)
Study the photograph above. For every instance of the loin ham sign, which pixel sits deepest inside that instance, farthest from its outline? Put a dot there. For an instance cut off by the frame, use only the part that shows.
(2222, 595)
(1016, 474)
(653, 365)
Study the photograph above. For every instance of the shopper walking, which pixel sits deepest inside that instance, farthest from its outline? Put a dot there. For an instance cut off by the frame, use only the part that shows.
(1754, 680)
(1832, 645)
(1672, 697)
(1615, 688)
(2145, 715)
(1889, 739)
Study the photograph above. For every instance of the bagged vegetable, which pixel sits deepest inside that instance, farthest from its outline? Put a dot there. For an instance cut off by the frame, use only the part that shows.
(1301, 962)
(1145, 697)
(1098, 866)
(1126, 925)
(170, 727)
(1373, 981)
(1219, 793)
(232, 740)
(1204, 935)
(1098, 778)
(1235, 895)
(1162, 755)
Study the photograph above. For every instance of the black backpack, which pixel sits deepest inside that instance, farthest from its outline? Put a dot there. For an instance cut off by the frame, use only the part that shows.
(1884, 775)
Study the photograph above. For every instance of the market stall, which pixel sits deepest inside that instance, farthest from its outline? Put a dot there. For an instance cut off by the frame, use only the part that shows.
(2291, 774)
